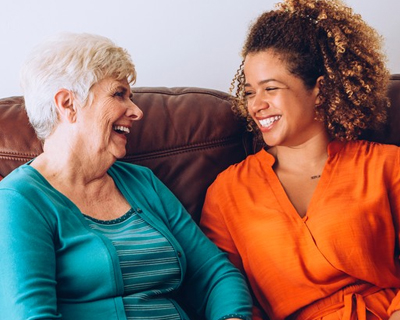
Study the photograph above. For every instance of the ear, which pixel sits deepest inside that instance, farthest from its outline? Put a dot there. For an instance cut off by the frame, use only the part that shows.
(317, 88)
(64, 101)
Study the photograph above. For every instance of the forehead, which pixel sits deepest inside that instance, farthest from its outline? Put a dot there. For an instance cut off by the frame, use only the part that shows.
(264, 65)
(110, 83)
(268, 60)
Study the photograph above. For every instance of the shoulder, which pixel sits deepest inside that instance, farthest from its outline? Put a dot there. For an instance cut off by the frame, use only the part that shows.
(130, 168)
(24, 180)
(371, 146)
(125, 171)
(252, 168)
(364, 156)
(370, 150)
(27, 197)
(145, 181)
(262, 157)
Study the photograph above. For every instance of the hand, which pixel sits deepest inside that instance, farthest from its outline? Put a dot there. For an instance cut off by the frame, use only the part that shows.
(395, 315)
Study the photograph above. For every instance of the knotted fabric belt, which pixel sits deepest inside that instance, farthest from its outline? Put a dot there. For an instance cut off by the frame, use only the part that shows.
(350, 300)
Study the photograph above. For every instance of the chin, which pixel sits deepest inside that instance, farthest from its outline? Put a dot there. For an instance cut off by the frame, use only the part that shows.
(270, 142)
(118, 157)
(119, 154)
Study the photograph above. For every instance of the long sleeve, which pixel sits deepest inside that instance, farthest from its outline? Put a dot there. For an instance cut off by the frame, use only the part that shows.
(394, 196)
(213, 225)
(48, 252)
(27, 273)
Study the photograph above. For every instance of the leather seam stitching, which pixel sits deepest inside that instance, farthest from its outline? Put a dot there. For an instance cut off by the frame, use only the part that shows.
(186, 149)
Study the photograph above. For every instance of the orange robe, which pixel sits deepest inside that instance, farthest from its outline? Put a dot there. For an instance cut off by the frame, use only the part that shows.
(340, 260)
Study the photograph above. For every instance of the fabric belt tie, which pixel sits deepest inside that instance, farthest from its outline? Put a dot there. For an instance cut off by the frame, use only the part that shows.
(354, 307)
(350, 299)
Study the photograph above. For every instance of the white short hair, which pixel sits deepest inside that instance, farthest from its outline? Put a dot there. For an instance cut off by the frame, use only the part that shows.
(74, 62)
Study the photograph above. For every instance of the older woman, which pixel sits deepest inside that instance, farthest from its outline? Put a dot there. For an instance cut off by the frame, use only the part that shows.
(83, 236)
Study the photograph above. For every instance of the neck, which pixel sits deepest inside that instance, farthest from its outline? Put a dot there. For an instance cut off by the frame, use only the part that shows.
(309, 156)
(68, 163)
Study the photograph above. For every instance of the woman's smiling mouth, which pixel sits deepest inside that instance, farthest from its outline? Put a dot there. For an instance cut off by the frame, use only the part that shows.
(121, 129)
(264, 123)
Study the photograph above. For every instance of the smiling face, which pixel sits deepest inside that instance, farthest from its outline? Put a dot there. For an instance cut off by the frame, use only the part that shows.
(280, 104)
(105, 121)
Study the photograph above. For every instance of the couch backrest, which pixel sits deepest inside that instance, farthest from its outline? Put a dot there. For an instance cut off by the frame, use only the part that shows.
(391, 133)
(187, 136)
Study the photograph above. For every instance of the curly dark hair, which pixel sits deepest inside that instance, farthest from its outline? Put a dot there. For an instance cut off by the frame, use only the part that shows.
(324, 38)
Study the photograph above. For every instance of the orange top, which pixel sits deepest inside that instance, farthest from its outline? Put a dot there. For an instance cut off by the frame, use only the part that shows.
(349, 235)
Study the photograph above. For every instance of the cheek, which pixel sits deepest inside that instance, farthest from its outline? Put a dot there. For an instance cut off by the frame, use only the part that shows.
(249, 112)
(105, 118)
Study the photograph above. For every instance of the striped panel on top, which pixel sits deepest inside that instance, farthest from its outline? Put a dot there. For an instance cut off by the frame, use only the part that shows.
(149, 265)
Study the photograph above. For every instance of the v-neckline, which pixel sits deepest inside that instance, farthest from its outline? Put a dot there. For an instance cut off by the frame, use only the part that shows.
(280, 193)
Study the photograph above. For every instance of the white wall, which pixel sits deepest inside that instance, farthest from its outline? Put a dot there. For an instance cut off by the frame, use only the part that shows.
(172, 42)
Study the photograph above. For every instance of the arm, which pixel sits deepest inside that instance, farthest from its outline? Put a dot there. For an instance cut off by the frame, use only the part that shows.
(27, 276)
(394, 194)
(213, 225)
(213, 284)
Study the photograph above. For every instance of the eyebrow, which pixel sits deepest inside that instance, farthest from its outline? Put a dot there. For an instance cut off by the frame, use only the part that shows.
(262, 82)
(122, 88)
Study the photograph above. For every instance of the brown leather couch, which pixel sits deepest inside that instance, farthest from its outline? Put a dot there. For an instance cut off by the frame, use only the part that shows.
(187, 136)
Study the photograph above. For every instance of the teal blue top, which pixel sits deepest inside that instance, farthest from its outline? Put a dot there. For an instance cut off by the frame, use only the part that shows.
(54, 266)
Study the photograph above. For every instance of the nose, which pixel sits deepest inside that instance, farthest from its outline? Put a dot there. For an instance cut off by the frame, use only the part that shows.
(134, 112)
(257, 103)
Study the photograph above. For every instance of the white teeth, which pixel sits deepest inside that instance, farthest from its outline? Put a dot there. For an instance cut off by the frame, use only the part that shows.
(267, 122)
(121, 129)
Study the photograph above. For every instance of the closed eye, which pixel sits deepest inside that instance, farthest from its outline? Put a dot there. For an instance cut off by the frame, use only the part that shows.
(119, 93)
